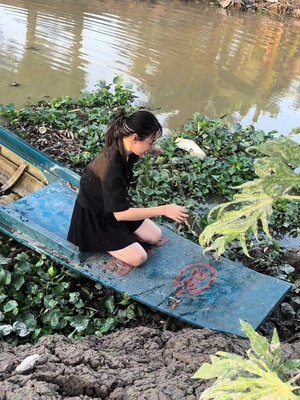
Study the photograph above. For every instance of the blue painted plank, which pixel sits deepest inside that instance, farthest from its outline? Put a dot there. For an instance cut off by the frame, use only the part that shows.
(177, 279)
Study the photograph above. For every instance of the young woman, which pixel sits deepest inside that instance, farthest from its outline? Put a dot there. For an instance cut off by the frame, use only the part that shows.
(103, 218)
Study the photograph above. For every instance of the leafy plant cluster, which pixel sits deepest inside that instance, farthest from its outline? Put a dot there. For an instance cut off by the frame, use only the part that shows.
(237, 219)
(176, 176)
(264, 374)
(84, 118)
(227, 163)
(39, 297)
(180, 177)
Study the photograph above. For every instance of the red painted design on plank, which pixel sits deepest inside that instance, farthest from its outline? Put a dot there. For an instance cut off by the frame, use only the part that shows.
(195, 279)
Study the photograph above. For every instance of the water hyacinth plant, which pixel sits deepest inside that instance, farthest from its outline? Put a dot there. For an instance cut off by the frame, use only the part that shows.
(48, 299)
(39, 297)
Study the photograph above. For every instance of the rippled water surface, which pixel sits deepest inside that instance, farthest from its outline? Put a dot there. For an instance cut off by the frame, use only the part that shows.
(181, 57)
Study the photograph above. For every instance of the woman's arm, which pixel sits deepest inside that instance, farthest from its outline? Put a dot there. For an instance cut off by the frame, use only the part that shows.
(173, 211)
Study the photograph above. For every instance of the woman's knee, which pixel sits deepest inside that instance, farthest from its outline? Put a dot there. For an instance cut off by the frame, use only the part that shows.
(134, 255)
(137, 257)
(155, 236)
(149, 232)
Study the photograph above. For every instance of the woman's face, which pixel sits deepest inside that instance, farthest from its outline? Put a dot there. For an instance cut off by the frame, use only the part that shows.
(140, 147)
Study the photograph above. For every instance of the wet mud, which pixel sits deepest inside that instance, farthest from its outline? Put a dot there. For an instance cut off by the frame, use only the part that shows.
(138, 364)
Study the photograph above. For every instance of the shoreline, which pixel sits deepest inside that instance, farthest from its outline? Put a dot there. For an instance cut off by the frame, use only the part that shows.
(276, 7)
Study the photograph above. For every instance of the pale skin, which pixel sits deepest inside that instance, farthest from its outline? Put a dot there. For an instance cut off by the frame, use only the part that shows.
(148, 232)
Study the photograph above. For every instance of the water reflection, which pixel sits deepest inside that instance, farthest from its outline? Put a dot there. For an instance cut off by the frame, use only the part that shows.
(181, 57)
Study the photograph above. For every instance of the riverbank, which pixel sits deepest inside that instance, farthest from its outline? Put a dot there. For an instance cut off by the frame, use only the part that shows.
(281, 7)
(151, 356)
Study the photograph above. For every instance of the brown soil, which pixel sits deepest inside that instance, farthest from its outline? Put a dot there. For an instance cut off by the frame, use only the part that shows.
(136, 364)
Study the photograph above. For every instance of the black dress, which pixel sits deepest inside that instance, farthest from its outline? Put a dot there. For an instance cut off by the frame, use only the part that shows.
(104, 190)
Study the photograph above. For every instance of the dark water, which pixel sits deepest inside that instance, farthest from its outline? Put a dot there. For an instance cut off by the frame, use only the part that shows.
(181, 57)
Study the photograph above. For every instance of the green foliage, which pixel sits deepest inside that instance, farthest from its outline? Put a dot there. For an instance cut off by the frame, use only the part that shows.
(227, 163)
(46, 297)
(276, 179)
(236, 224)
(86, 118)
(182, 178)
(38, 297)
(264, 374)
(176, 176)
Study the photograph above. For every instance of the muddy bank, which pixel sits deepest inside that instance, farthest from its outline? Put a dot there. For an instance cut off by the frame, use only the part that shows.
(136, 364)
(280, 7)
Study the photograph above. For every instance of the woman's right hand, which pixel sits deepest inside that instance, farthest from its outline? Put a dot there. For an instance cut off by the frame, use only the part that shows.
(175, 212)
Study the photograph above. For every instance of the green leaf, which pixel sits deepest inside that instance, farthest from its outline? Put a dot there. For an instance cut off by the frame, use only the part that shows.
(80, 323)
(6, 330)
(49, 301)
(80, 304)
(52, 271)
(295, 131)
(4, 260)
(213, 370)
(21, 329)
(254, 205)
(253, 378)
(235, 224)
(10, 306)
(5, 276)
(118, 80)
(259, 343)
(59, 290)
(283, 149)
(52, 318)
(126, 300)
(2, 297)
(131, 312)
(109, 324)
(39, 263)
(121, 315)
(109, 304)
(17, 281)
(292, 365)
(74, 297)
(23, 264)
(29, 320)
(275, 349)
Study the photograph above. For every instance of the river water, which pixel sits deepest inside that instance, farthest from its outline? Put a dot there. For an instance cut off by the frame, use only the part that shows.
(182, 57)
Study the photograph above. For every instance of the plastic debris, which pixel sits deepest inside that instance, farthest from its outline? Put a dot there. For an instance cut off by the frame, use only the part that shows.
(28, 363)
(191, 146)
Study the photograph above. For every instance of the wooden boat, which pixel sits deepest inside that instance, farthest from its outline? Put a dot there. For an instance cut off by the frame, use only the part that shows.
(37, 195)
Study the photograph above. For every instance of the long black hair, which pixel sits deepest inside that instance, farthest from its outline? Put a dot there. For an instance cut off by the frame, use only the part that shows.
(141, 122)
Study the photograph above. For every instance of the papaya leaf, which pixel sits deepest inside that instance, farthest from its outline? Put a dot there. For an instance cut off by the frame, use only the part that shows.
(251, 209)
(259, 344)
(283, 148)
(208, 371)
(218, 367)
(251, 389)
(250, 378)
(237, 224)
(275, 349)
